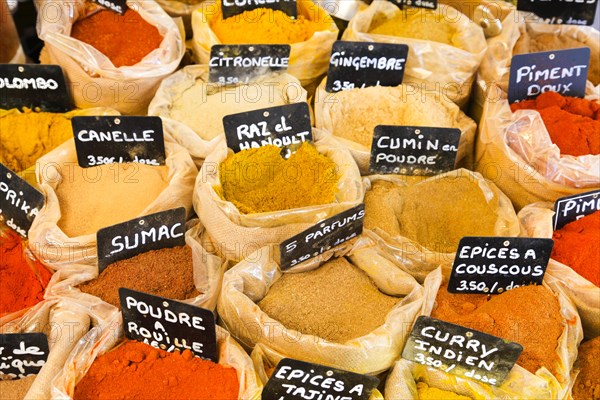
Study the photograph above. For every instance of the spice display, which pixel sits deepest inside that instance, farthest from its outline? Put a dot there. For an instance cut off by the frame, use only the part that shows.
(88, 196)
(420, 24)
(456, 206)
(577, 245)
(533, 41)
(260, 180)
(15, 389)
(23, 279)
(510, 316)
(267, 26)
(337, 302)
(427, 392)
(587, 385)
(125, 39)
(32, 134)
(166, 272)
(135, 370)
(573, 123)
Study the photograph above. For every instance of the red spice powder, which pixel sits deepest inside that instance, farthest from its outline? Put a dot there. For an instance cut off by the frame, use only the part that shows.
(23, 279)
(573, 123)
(577, 245)
(125, 39)
(138, 371)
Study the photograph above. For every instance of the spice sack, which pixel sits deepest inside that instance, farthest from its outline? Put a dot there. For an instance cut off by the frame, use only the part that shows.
(309, 58)
(194, 108)
(92, 75)
(183, 9)
(444, 64)
(61, 237)
(361, 275)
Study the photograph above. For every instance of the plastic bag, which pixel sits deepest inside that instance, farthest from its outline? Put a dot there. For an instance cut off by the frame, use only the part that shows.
(419, 261)
(173, 86)
(519, 383)
(236, 235)
(99, 341)
(181, 9)
(54, 247)
(536, 221)
(514, 151)
(308, 60)
(93, 78)
(435, 67)
(331, 109)
(249, 281)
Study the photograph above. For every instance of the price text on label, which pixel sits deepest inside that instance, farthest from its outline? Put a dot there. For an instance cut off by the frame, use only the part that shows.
(562, 12)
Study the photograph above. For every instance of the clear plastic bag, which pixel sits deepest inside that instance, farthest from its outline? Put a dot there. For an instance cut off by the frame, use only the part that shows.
(94, 79)
(536, 221)
(519, 383)
(436, 67)
(514, 151)
(173, 86)
(181, 9)
(308, 60)
(235, 235)
(331, 109)
(249, 281)
(54, 247)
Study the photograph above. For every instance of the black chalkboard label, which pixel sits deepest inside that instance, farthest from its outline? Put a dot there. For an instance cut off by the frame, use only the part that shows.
(30, 85)
(118, 6)
(363, 64)
(561, 12)
(299, 380)
(108, 140)
(20, 202)
(569, 209)
(461, 351)
(22, 354)
(324, 236)
(413, 150)
(235, 7)
(152, 232)
(285, 126)
(168, 324)
(493, 265)
(430, 4)
(561, 71)
(231, 64)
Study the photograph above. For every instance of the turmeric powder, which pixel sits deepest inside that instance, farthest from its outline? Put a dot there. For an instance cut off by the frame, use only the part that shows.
(267, 26)
(28, 135)
(260, 180)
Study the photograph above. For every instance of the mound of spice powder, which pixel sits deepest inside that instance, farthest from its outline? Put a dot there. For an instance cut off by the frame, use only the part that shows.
(166, 272)
(577, 245)
(427, 392)
(587, 384)
(138, 371)
(528, 315)
(23, 279)
(573, 123)
(125, 39)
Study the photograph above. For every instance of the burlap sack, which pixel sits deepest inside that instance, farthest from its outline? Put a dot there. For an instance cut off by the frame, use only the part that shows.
(519, 384)
(53, 246)
(172, 87)
(249, 281)
(332, 108)
(308, 60)
(514, 151)
(94, 80)
(208, 272)
(447, 70)
(235, 235)
(418, 260)
(181, 9)
(99, 341)
(536, 221)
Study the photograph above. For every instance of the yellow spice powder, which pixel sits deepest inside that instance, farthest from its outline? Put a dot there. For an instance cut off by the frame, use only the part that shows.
(427, 392)
(29, 135)
(423, 25)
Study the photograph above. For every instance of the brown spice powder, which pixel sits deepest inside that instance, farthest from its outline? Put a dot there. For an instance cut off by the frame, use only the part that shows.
(587, 385)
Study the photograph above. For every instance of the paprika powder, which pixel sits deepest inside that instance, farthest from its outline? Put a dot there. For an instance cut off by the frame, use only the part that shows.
(23, 279)
(125, 39)
(572, 123)
(135, 370)
(577, 245)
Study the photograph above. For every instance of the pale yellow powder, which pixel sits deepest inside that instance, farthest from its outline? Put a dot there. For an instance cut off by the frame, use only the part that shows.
(423, 24)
